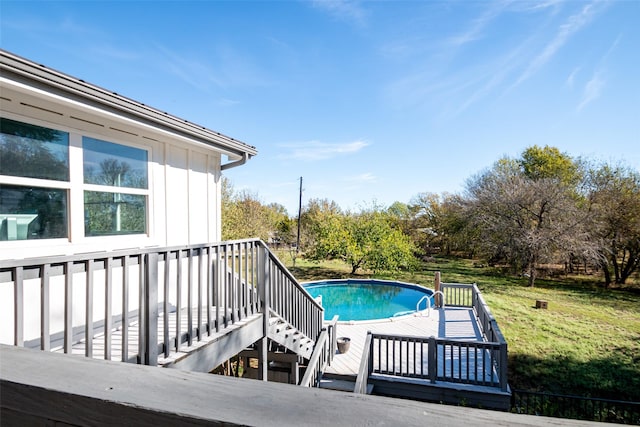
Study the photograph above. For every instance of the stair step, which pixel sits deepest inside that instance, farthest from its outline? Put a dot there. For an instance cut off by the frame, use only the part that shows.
(341, 385)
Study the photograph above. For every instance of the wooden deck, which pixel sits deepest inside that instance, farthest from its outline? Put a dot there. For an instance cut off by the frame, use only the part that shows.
(130, 335)
(42, 388)
(451, 323)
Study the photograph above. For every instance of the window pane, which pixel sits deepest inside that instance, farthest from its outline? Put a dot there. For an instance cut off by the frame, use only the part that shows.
(106, 163)
(33, 151)
(114, 213)
(32, 213)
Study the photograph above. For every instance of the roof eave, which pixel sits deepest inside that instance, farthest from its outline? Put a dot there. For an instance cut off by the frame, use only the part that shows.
(32, 74)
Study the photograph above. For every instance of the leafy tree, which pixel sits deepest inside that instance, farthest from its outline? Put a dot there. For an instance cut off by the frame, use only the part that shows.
(549, 163)
(245, 216)
(527, 217)
(615, 206)
(365, 240)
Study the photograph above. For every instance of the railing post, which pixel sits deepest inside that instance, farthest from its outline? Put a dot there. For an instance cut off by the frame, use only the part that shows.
(436, 287)
(18, 308)
(503, 366)
(264, 284)
(370, 361)
(432, 358)
(151, 309)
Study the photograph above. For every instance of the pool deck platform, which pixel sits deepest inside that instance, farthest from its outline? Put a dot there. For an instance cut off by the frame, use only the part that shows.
(451, 323)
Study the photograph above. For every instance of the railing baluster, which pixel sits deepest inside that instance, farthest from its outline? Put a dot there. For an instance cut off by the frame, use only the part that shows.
(216, 286)
(88, 326)
(107, 308)
(200, 279)
(232, 284)
(142, 316)
(225, 290)
(165, 303)
(45, 339)
(68, 309)
(18, 307)
(125, 308)
(210, 272)
(189, 253)
(178, 299)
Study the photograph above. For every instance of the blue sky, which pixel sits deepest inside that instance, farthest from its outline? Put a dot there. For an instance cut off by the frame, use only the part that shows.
(370, 102)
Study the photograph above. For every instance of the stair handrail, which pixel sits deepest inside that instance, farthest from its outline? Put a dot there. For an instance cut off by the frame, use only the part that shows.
(317, 362)
(366, 366)
(308, 316)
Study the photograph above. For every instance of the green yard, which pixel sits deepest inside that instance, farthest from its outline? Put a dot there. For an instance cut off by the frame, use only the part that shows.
(586, 343)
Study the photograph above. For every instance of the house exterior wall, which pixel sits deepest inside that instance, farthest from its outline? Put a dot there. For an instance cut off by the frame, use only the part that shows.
(183, 205)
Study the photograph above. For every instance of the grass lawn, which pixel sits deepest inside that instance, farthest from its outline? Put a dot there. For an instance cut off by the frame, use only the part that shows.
(586, 343)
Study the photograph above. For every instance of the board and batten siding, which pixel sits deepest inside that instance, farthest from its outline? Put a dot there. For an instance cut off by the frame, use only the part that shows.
(192, 198)
(184, 179)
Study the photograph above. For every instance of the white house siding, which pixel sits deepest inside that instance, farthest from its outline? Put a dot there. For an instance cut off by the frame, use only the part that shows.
(183, 196)
(184, 178)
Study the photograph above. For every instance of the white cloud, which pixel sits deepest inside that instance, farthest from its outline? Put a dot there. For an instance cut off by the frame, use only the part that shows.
(572, 77)
(315, 150)
(572, 25)
(345, 10)
(477, 27)
(366, 177)
(592, 90)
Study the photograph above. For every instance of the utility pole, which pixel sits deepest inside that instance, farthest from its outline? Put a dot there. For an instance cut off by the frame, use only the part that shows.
(299, 214)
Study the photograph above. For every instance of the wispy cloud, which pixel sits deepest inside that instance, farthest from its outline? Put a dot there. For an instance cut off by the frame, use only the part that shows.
(315, 150)
(344, 10)
(192, 71)
(366, 177)
(476, 29)
(593, 88)
(572, 77)
(571, 26)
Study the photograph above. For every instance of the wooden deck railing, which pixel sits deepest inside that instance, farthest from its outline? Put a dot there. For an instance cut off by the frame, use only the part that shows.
(437, 359)
(366, 366)
(291, 301)
(145, 303)
(434, 359)
(322, 356)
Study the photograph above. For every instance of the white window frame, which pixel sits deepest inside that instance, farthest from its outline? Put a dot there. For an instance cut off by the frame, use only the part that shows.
(76, 187)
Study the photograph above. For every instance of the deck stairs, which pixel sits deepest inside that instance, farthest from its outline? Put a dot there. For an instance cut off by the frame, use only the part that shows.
(189, 307)
(341, 383)
(289, 337)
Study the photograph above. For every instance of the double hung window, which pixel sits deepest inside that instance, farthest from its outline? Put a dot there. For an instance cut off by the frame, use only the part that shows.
(115, 190)
(34, 181)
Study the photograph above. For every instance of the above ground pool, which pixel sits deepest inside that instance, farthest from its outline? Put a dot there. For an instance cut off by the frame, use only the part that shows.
(367, 299)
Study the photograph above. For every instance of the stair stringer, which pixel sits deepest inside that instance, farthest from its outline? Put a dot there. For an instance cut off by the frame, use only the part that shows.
(286, 335)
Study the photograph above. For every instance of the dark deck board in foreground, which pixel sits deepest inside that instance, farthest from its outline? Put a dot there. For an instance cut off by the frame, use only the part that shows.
(44, 388)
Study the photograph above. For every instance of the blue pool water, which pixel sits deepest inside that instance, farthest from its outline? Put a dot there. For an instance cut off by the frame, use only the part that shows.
(367, 299)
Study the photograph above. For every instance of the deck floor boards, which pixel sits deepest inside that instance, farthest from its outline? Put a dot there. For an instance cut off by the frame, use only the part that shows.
(133, 330)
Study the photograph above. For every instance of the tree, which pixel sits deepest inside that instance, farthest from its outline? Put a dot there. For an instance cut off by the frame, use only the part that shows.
(549, 163)
(614, 195)
(245, 216)
(526, 217)
(365, 240)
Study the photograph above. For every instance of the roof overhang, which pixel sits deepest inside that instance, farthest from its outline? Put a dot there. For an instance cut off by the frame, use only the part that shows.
(27, 74)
